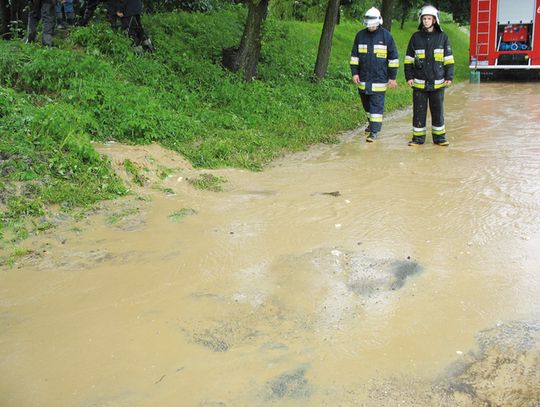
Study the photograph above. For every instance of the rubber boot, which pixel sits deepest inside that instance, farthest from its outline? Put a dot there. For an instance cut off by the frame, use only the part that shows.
(417, 140)
(148, 46)
(31, 38)
(371, 137)
(46, 40)
(440, 140)
(70, 17)
(60, 23)
(87, 15)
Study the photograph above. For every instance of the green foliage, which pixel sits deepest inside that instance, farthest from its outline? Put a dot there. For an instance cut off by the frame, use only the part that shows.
(355, 10)
(135, 172)
(300, 10)
(164, 172)
(208, 182)
(16, 253)
(176, 5)
(93, 87)
(19, 207)
(117, 217)
(177, 216)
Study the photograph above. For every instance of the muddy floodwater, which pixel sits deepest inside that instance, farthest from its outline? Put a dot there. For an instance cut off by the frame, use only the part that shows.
(348, 275)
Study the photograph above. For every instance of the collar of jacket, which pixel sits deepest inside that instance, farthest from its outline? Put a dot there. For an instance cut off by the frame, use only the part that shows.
(436, 28)
(374, 31)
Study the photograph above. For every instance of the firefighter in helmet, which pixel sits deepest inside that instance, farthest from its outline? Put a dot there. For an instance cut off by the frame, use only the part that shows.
(374, 67)
(429, 68)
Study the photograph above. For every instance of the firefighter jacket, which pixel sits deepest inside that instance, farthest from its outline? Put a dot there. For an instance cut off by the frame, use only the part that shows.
(429, 60)
(130, 8)
(374, 57)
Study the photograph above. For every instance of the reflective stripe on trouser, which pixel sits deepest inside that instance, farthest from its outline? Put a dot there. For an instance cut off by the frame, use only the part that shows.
(374, 106)
(435, 100)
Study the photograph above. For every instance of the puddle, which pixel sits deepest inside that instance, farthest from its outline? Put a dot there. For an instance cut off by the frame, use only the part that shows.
(354, 274)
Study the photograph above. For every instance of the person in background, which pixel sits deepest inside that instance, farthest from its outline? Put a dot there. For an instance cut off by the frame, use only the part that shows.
(67, 6)
(41, 10)
(374, 67)
(429, 68)
(89, 8)
(130, 12)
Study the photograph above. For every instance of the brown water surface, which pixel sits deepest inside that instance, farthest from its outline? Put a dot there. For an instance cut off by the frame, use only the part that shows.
(348, 275)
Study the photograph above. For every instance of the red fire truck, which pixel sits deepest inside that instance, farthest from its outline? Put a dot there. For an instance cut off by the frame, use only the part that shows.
(505, 35)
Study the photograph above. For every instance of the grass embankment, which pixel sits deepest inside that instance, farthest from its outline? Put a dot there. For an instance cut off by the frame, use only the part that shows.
(94, 87)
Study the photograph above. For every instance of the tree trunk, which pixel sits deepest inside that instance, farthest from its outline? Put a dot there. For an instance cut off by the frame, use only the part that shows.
(246, 57)
(406, 6)
(325, 43)
(387, 12)
(4, 19)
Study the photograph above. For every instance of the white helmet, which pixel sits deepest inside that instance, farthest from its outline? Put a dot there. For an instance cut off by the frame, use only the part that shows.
(372, 18)
(429, 11)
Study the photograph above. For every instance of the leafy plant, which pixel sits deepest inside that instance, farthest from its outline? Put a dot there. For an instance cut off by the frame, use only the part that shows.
(135, 172)
(208, 181)
(181, 214)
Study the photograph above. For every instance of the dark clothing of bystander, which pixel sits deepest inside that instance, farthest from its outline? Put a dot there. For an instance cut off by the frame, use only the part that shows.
(43, 10)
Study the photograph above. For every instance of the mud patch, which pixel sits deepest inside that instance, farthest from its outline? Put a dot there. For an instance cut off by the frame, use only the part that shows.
(368, 276)
(503, 371)
(55, 259)
(128, 219)
(232, 325)
(180, 214)
(223, 336)
(294, 297)
(292, 385)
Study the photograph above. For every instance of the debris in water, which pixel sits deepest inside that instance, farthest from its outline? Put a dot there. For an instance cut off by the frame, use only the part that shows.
(333, 193)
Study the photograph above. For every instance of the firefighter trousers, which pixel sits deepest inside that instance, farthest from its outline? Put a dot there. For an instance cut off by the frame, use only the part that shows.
(41, 10)
(134, 29)
(435, 100)
(373, 105)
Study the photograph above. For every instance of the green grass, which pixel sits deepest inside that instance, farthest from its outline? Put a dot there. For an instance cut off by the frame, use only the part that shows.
(207, 182)
(93, 87)
(16, 253)
(116, 217)
(135, 172)
(178, 215)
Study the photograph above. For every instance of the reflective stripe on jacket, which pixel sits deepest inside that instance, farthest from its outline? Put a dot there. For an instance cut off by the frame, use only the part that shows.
(429, 60)
(374, 57)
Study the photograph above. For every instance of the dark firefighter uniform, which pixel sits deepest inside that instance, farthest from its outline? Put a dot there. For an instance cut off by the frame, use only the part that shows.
(429, 63)
(131, 22)
(89, 8)
(43, 10)
(374, 58)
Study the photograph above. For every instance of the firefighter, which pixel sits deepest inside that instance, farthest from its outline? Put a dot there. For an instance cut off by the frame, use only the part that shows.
(129, 12)
(41, 10)
(67, 6)
(89, 8)
(374, 67)
(429, 68)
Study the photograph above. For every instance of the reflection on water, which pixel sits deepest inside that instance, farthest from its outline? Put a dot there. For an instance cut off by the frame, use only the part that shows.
(346, 274)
